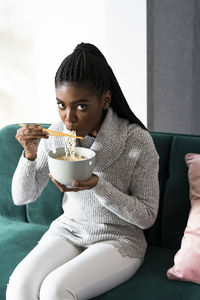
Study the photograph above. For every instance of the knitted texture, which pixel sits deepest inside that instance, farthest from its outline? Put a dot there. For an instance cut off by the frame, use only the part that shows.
(125, 199)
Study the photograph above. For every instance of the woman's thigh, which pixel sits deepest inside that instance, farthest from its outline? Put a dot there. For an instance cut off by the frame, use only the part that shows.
(95, 271)
(50, 253)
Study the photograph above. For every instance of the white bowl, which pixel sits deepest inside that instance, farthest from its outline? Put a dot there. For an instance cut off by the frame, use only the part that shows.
(65, 172)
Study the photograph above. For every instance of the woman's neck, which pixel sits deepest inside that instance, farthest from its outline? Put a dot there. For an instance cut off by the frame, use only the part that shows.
(95, 130)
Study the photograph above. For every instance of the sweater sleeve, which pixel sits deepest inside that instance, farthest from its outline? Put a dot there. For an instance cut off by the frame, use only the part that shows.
(30, 177)
(140, 205)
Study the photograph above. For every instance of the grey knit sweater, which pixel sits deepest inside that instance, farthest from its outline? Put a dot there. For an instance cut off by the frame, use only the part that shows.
(125, 199)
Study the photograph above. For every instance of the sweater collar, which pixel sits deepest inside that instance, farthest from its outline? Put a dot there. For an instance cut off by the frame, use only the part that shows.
(110, 141)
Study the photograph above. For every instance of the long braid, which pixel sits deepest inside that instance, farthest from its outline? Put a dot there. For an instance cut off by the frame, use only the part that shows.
(88, 66)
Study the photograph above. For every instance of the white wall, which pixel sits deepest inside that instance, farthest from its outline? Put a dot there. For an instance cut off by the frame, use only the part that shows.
(36, 36)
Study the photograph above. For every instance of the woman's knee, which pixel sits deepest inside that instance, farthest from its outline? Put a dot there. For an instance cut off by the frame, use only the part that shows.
(19, 286)
(54, 289)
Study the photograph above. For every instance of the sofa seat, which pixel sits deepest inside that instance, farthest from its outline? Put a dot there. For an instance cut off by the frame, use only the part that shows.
(151, 283)
(16, 240)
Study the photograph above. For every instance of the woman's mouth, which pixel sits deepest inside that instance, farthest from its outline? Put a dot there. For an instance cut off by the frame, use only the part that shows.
(71, 127)
(79, 131)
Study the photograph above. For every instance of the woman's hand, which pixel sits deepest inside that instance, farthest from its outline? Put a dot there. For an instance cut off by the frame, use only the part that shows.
(78, 186)
(28, 137)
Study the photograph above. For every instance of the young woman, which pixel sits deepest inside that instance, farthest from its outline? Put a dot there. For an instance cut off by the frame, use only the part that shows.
(98, 242)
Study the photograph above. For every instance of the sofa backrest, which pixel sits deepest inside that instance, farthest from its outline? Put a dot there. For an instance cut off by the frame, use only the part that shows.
(163, 146)
(9, 156)
(174, 189)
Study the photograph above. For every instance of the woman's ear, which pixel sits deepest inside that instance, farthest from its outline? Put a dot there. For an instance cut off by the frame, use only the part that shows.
(107, 99)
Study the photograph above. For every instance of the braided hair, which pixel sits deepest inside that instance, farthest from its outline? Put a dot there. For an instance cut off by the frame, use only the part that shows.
(87, 66)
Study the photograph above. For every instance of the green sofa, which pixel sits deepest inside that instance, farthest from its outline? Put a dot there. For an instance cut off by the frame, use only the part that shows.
(22, 226)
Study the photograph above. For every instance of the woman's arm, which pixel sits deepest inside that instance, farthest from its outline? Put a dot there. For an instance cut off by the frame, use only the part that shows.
(140, 206)
(30, 177)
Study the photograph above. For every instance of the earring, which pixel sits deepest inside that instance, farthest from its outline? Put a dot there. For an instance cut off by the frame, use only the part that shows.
(106, 107)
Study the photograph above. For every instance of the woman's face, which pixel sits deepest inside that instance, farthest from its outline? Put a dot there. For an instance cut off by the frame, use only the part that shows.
(80, 109)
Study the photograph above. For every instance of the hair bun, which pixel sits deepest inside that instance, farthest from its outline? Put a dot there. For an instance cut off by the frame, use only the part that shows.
(89, 48)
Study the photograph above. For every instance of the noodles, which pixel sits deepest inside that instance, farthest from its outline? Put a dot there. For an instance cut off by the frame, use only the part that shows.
(70, 148)
(70, 145)
(68, 158)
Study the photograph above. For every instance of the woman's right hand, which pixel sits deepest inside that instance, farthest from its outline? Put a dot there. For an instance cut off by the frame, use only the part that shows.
(28, 137)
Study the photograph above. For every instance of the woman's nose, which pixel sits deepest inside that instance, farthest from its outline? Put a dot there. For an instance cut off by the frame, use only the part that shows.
(70, 115)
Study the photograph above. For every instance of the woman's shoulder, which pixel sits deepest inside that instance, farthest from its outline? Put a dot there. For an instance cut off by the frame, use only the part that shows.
(135, 131)
(140, 138)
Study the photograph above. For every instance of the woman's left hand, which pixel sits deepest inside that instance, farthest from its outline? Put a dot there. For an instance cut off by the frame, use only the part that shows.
(78, 186)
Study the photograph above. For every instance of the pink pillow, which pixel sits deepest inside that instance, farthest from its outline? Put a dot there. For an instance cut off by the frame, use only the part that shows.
(187, 259)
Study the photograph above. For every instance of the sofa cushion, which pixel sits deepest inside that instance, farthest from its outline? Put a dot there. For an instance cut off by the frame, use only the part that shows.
(176, 206)
(163, 145)
(16, 241)
(186, 260)
(151, 283)
(10, 151)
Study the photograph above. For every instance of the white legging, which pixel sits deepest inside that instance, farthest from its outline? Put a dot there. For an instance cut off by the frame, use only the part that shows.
(57, 270)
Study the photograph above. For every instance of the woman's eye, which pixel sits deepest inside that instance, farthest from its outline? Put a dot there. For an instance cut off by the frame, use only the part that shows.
(61, 105)
(82, 107)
